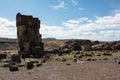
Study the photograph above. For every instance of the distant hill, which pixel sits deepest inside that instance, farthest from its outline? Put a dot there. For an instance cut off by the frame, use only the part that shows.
(50, 39)
(7, 40)
(8, 44)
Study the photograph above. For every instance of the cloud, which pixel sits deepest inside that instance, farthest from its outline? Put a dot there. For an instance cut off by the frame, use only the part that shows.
(117, 11)
(105, 28)
(74, 2)
(81, 9)
(102, 28)
(61, 5)
(7, 28)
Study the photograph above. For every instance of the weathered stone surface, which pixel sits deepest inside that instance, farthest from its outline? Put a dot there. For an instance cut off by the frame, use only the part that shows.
(13, 66)
(29, 39)
(77, 45)
(30, 65)
(2, 55)
(16, 58)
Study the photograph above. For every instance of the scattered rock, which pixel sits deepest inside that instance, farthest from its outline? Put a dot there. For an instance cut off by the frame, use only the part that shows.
(16, 58)
(6, 65)
(75, 60)
(30, 65)
(3, 55)
(13, 66)
(107, 54)
(38, 64)
(89, 59)
(105, 59)
(68, 64)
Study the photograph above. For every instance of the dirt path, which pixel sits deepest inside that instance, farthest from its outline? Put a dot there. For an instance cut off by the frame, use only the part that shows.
(94, 70)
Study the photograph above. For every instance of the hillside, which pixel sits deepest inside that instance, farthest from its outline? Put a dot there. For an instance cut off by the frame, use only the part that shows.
(8, 44)
(64, 45)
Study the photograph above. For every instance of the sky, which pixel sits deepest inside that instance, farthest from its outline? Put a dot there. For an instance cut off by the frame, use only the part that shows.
(65, 19)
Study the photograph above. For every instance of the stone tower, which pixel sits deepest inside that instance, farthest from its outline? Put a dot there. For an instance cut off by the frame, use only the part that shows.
(29, 38)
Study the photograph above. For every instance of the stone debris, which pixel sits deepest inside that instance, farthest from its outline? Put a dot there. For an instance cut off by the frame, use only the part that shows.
(30, 65)
(16, 58)
(13, 66)
(3, 55)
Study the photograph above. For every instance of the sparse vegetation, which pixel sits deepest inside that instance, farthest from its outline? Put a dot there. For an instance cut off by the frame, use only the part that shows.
(64, 58)
(82, 56)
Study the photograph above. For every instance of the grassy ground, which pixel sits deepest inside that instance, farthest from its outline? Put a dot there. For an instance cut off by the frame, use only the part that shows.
(84, 56)
(74, 56)
(96, 65)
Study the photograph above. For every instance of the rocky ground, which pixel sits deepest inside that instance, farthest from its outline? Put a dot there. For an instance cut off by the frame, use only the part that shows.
(68, 60)
(87, 70)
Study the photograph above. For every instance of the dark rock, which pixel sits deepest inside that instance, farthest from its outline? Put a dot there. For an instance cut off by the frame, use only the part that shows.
(89, 59)
(13, 66)
(3, 55)
(38, 64)
(94, 59)
(68, 64)
(16, 58)
(75, 60)
(5, 64)
(107, 54)
(23, 64)
(30, 65)
(105, 59)
(63, 59)
(117, 46)
(35, 62)
(80, 56)
(88, 55)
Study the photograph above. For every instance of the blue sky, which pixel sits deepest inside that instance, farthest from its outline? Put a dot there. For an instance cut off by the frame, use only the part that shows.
(83, 19)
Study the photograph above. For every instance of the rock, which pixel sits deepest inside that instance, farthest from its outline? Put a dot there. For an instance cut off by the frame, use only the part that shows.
(75, 60)
(3, 55)
(118, 62)
(16, 58)
(38, 64)
(107, 54)
(63, 59)
(117, 46)
(13, 66)
(30, 65)
(105, 59)
(29, 39)
(7, 60)
(89, 59)
(6, 65)
(68, 64)
(22, 64)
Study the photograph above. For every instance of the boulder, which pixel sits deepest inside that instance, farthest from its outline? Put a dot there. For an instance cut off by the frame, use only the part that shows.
(13, 66)
(3, 55)
(30, 65)
(16, 58)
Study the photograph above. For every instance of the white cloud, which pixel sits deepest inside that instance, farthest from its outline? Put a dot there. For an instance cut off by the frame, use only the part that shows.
(117, 11)
(7, 28)
(61, 5)
(74, 2)
(81, 9)
(102, 28)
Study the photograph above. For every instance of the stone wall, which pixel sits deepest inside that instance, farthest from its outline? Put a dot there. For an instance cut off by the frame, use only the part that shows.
(29, 38)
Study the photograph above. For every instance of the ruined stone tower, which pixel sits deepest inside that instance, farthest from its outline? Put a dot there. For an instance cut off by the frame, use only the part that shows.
(29, 38)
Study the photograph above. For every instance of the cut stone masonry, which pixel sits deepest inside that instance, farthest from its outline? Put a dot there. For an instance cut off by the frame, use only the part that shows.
(29, 38)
